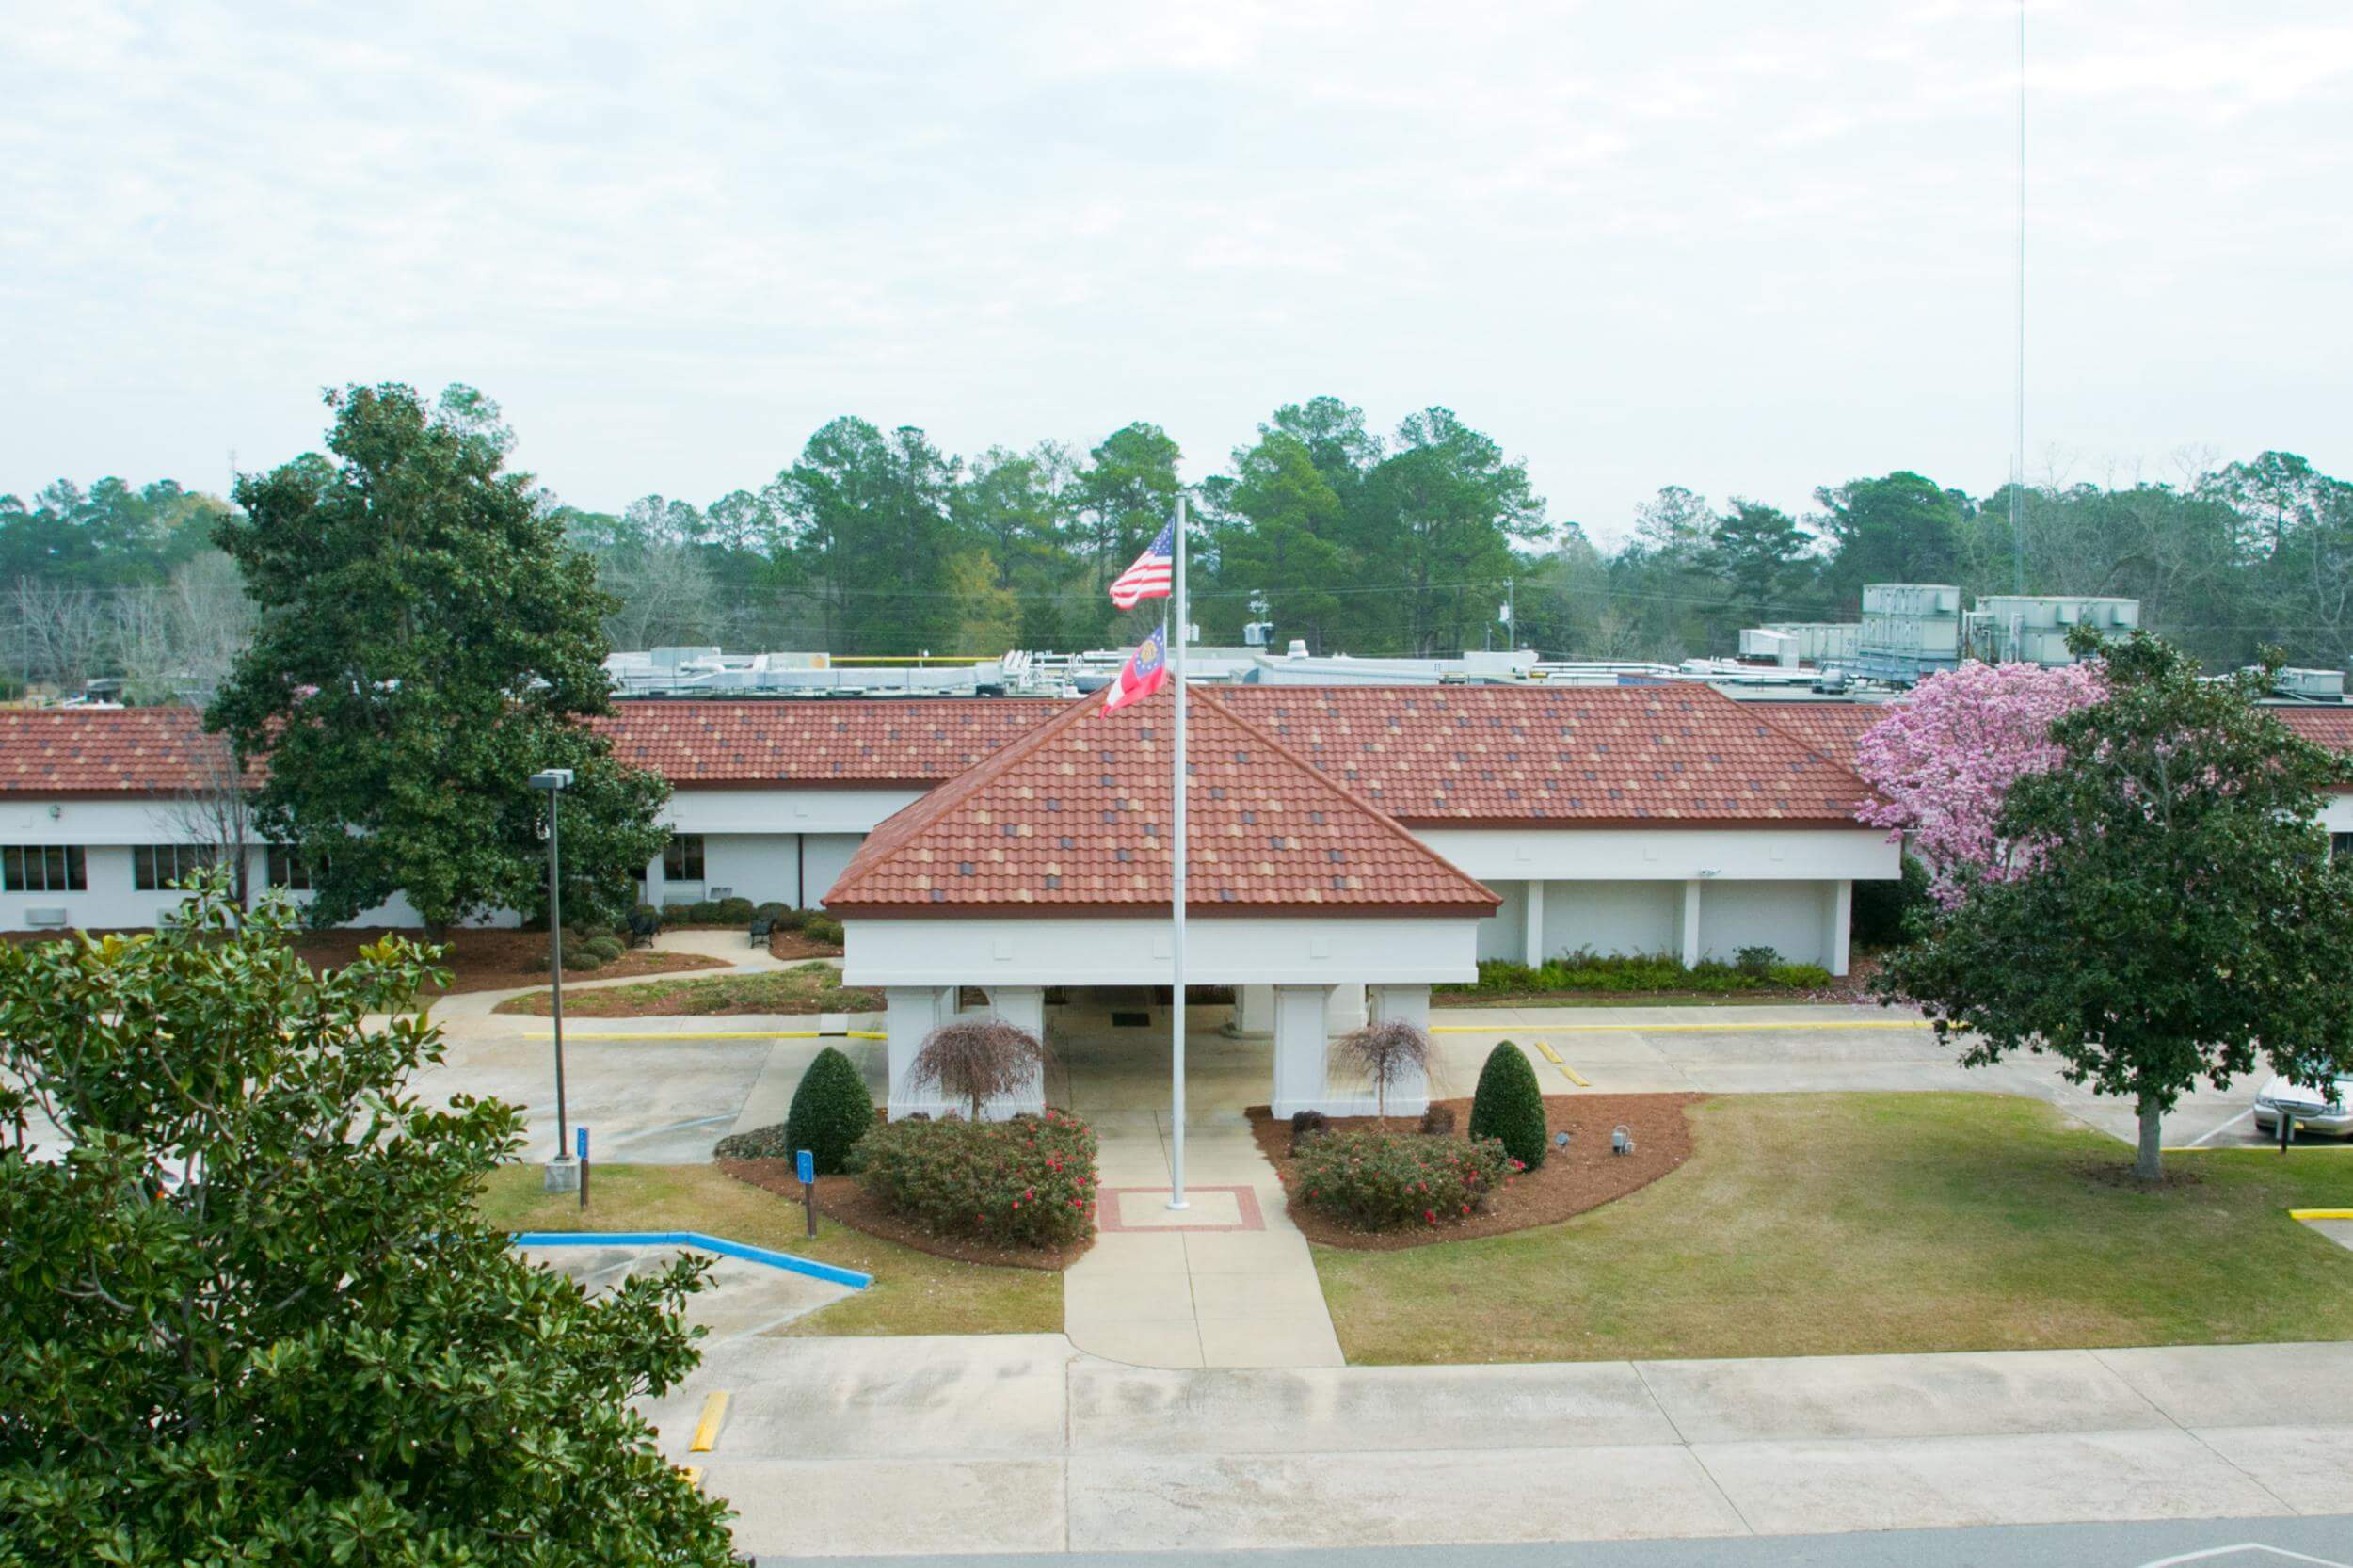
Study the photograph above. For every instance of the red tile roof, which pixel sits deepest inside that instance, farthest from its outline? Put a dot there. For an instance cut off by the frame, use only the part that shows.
(875, 741)
(87, 751)
(1073, 818)
(1577, 756)
(1832, 728)
(2329, 727)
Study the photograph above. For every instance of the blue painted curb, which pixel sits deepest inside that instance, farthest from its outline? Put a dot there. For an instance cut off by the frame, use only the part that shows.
(697, 1240)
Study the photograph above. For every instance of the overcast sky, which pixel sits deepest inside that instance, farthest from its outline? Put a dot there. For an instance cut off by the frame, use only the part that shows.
(1748, 249)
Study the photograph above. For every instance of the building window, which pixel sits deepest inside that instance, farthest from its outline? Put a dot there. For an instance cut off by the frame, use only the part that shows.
(43, 868)
(682, 858)
(288, 870)
(2341, 846)
(155, 867)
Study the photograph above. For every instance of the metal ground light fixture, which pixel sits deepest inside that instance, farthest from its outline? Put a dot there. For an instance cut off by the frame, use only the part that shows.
(563, 1172)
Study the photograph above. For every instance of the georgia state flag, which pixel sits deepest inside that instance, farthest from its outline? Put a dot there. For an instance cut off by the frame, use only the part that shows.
(1146, 672)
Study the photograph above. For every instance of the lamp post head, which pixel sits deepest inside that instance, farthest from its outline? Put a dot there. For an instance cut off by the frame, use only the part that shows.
(552, 779)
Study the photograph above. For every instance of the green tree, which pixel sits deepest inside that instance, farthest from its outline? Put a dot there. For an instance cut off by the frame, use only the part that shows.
(831, 1110)
(1898, 529)
(1281, 550)
(253, 1318)
(426, 642)
(1759, 554)
(1436, 528)
(1510, 1105)
(2180, 915)
(872, 538)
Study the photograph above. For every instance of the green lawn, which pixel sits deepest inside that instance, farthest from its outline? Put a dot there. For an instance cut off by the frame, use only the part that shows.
(913, 1292)
(1812, 1225)
(811, 987)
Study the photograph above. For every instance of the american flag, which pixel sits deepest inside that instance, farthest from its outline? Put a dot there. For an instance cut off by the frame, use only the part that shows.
(1149, 577)
(1146, 672)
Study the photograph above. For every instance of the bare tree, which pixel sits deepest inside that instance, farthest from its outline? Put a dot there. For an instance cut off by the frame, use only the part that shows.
(62, 634)
(216, 813)
(667, 593)
(975, 1060)
(1387, 1052)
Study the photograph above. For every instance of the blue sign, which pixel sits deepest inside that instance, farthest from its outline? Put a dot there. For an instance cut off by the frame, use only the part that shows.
(808, 1162)
(580, 1136)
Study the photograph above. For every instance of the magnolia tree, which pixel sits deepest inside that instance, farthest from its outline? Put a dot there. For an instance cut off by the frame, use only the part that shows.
(1942, 761)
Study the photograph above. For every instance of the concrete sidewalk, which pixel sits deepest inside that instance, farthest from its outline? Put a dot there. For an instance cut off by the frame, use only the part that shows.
(1019, 1443)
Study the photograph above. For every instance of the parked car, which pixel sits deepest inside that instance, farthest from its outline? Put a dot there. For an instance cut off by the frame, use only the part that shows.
(2315, 1110)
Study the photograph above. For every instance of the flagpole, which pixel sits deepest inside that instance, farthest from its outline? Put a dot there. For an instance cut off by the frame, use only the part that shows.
(1176, 884)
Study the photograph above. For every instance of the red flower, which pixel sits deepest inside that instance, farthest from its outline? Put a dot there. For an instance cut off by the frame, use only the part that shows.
(1431, 1215)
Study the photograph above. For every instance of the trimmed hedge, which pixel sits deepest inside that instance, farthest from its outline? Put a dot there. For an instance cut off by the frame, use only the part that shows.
(1029, 1182)
(1383, 1180)
(1658, 971)
(606, 948)
(823, 929)
(1508, 1106)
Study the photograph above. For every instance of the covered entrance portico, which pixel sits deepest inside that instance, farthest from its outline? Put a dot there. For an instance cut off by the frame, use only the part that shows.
(1297, 984)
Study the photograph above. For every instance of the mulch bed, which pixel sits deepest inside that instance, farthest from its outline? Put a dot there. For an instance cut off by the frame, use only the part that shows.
(494, 960)
(1570, 1182)
(791, 944)
(841, 1197)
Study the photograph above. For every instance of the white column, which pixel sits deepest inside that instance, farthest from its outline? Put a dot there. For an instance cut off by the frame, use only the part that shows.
(1692, 923)
(1532, 923)
(909, 1014)
(1254, 1010)
(1024, 1007)
(1409, 1004)
(1841, 918)
(1347, 1009)
(1300, 1045)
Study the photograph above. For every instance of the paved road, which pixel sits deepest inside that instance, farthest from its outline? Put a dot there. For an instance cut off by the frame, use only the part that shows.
(1015, 1443)
(2210, 1543)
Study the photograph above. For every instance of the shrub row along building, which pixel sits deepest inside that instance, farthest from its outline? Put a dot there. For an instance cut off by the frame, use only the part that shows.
(1350, 846)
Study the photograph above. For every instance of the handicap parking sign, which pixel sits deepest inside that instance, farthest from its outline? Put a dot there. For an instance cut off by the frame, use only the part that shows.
(807, 1159)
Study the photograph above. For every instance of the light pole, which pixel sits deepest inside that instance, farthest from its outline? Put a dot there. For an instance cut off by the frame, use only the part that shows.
(563, 1174)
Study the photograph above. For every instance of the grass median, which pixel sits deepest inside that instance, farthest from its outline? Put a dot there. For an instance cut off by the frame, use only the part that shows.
(805, 988)
(913, 1292)
(1817, 1225)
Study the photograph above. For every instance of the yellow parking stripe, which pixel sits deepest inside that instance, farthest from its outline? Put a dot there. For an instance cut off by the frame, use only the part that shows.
(1550, 1055)
(1668, 1029)
(713, 1034)
(2320, 1213)
(1573, 1075)
(707, 1429)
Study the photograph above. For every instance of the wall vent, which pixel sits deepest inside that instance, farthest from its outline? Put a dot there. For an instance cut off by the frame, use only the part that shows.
(49, 917)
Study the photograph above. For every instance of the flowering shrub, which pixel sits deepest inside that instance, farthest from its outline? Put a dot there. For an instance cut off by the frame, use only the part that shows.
(1381, 1182)
(1029, 1182)
(1942, 761)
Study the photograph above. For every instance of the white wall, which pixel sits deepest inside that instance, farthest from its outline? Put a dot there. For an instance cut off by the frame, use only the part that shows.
(1666, 854)
(1612, 916)
(1219, 950)
(1791, 918)
(1502, 934)
(843, 810)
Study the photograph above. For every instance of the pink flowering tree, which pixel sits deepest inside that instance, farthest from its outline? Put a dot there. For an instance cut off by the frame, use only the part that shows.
(1942, 759)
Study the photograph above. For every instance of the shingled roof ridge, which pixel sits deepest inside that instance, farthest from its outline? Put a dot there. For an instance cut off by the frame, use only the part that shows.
(1380, 816)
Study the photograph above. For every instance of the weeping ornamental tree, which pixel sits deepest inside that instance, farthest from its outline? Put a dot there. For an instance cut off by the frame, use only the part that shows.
(977, 1060)
(2167, 909)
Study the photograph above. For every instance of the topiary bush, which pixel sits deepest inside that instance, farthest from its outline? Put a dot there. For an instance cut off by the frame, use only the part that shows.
(606, 948)
(703, 912)
(831, 1110)
(823, 929)
(735, 911)
(1510, 1107)
(1383, 1181)
(581, 958)
(1029, 1182)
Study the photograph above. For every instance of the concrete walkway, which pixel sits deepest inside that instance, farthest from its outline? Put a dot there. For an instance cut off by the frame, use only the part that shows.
(1019, 1443)
(1227, 1282)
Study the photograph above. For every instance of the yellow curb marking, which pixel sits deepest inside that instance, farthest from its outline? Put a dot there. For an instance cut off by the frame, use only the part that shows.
(711, 1034)
(1666, 1028)
(2320, 1213)
(1550, 1055)
(707, 1429)
(1573, 1075)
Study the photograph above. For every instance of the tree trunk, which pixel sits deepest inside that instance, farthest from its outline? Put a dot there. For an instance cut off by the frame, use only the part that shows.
(2149, 1165)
